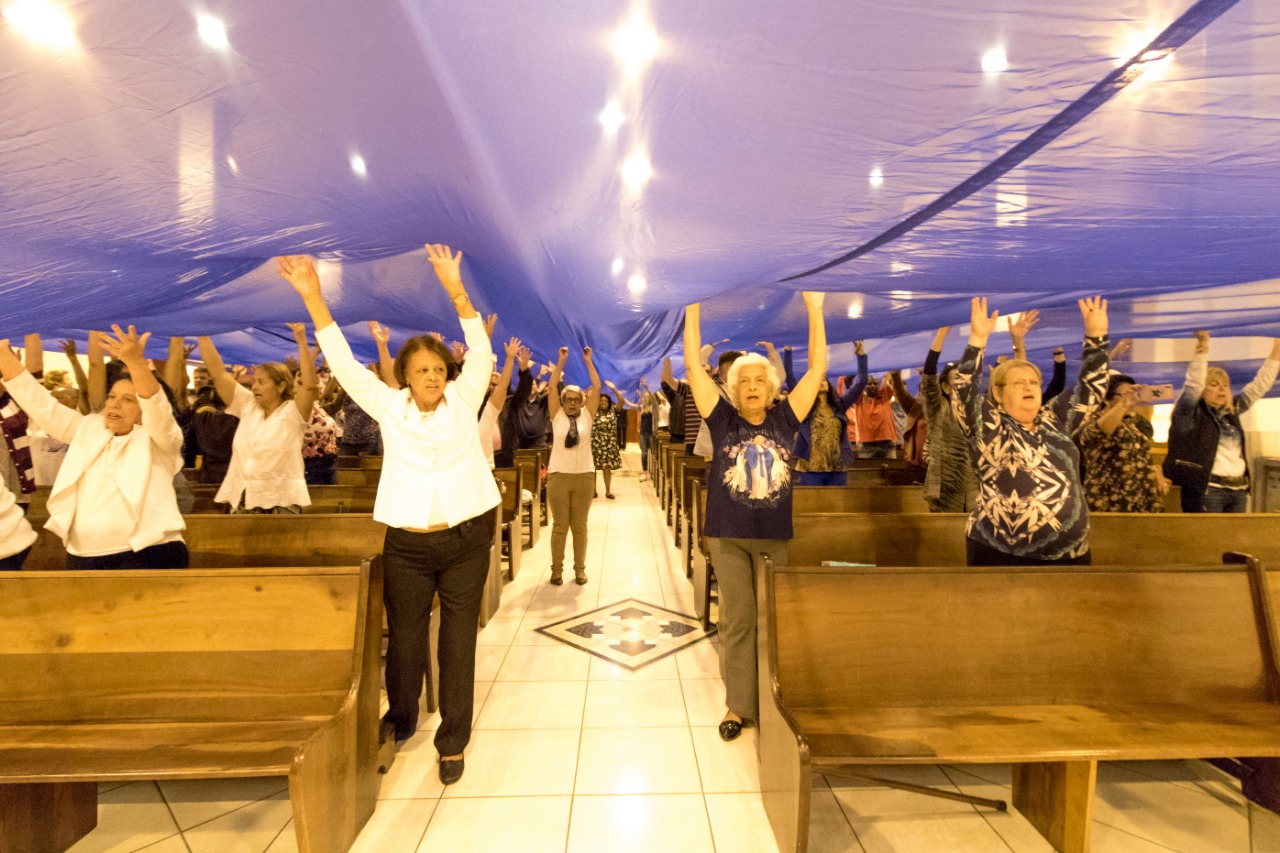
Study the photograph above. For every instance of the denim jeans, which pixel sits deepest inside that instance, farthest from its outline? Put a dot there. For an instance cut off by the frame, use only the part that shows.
(1225, 500)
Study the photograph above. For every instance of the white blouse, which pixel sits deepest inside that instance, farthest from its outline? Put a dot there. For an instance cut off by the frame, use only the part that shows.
(433, 468)
(266, 456)
(576, 459)
(15, 531)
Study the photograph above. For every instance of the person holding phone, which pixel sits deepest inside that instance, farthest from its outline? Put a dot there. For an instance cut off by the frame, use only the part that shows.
(1115, 443)
(1207, 455)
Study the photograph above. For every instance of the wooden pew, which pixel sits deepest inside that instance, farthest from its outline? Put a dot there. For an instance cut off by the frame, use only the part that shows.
(533, 461)
(359, 476)
(686, 468)
(661, 439)
(201, 674)
(1051, 670)
(694, 476)
(370, 463)
(510, 480)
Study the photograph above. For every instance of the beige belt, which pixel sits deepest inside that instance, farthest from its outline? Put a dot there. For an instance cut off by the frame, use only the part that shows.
(432, 529)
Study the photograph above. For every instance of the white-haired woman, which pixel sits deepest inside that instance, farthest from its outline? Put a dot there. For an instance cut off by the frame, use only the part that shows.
(1207, 457)
(112, 503)
(748, 488)
(571, 471)
(1031, 507)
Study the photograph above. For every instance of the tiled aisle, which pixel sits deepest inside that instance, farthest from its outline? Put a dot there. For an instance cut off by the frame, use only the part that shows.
(572, 754)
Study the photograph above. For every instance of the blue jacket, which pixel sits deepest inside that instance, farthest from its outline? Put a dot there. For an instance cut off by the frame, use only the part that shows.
(804, 437)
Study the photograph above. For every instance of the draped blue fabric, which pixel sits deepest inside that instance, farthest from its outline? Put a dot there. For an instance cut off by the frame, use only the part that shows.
(148, 178)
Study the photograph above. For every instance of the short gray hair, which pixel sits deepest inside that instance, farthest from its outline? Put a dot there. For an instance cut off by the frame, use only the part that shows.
(751, 359)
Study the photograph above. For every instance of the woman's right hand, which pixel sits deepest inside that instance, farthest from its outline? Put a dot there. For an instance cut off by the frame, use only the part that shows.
(981, 325)
(381, 334)
(300, 271)
(513, 348)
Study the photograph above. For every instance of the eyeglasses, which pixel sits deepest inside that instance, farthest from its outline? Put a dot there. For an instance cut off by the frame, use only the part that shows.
(1021, 383)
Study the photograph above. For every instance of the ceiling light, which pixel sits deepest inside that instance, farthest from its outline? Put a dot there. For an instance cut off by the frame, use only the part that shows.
(637, 284)
(42, 22)
(876, 178)
(618, 264)
(900, 268)
(233, 165)
(359, 167)
(995, 60)
(611, 118)
(855, 306)
(636, 171)
(212, 32)
(636, 44)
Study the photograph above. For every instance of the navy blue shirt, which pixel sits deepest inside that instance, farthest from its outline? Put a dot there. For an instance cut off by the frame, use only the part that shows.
(749, 481)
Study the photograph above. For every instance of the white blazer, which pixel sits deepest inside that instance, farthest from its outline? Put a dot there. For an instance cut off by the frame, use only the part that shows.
(150, 461)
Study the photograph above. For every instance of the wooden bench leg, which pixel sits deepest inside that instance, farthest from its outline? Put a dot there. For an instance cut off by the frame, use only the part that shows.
(1259, 781)
(1057, 798)
(46, 818)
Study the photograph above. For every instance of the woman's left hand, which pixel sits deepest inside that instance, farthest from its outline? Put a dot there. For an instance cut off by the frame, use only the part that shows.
(129, 347)
(1094, 312)
(448, 266)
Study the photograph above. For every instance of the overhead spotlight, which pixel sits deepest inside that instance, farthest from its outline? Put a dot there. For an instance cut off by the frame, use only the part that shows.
(1155, 55)
(856, 304)
(359, 167)
(900, 268)
(42, 22)
(233, 165)
(876, 178)
(637, 284)
(636, 171)
(995, 60)
(618, 264)
(212, 32)
(636, 44)
(611, 118)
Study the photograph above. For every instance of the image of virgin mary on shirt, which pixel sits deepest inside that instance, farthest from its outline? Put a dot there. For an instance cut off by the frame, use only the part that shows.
(758, 472)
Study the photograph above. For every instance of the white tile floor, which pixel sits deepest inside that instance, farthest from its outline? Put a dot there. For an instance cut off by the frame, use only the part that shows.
(573, 754)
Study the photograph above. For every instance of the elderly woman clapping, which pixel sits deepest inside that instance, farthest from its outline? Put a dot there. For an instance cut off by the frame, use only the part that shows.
(748, 488)
(1031, 507)
(112, 502)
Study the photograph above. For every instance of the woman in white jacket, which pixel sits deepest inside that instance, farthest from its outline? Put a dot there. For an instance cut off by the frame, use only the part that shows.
(113, 503)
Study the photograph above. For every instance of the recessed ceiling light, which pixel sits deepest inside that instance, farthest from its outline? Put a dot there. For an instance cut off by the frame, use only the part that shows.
(637, 284)
(42, 22)
(611, 117)
(876, 178)
(636, 44)
(636, 171)
(359, 167)
(212, 32)
(618, 264)
(233, 165)
(995, 60)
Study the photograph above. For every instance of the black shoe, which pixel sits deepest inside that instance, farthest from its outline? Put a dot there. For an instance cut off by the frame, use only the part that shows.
(451, 771)
(580, 578)
(402, 733)
(557, 578)
(730, 729)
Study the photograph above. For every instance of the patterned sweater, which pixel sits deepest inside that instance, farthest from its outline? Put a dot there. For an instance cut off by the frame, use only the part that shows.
(1030, 501)
(949, 478)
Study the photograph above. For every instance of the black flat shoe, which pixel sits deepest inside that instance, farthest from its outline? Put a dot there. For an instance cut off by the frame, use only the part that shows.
(730, 729)
(451, 771)
(556, 580)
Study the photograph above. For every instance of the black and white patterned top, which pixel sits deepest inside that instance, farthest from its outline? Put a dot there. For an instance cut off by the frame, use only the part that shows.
(1030, 501)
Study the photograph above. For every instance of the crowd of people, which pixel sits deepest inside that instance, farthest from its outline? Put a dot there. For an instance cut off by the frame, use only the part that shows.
(1027, 461)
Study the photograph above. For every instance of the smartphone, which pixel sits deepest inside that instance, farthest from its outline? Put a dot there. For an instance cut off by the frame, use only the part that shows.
(1153, 393)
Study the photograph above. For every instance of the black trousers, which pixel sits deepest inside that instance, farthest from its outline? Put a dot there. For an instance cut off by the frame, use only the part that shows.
(977, 554)
(168, 555)
(453, 564)
(14, 562)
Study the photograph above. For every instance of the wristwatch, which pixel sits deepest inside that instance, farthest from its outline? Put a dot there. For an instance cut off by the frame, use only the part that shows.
(460, 300)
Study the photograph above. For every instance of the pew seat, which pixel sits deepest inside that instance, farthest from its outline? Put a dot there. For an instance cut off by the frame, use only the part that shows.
(200, 674)
(1049, 669)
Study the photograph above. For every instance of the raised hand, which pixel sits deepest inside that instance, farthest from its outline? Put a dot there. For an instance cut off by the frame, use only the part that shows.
(981, 324)
(1094, 311)
(68, 347)
(1120, 349)
(525, 355)
(586, 353)
(609, 384)
(300, 271)
(129, 347)
(563, 354)
(813, 299)
(858, 348)
(187, 349)
(1026, 321)
(490, 323)
(448, 266)
(381, 334)
(514, 349)
(766, 345)
(1202, 340)
(458, 350)
(298, 329)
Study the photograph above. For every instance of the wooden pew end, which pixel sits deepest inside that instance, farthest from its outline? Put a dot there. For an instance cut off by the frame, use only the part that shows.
(1056, 797)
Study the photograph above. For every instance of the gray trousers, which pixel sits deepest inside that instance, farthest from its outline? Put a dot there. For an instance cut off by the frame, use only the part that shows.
(734, 562)
(569, 499)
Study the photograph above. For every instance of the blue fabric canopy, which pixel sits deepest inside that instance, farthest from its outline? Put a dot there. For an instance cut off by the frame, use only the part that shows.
(603, 164)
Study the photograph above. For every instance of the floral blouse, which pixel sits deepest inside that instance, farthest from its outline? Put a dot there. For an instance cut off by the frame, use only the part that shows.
(1118, 476)
(321, 437)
